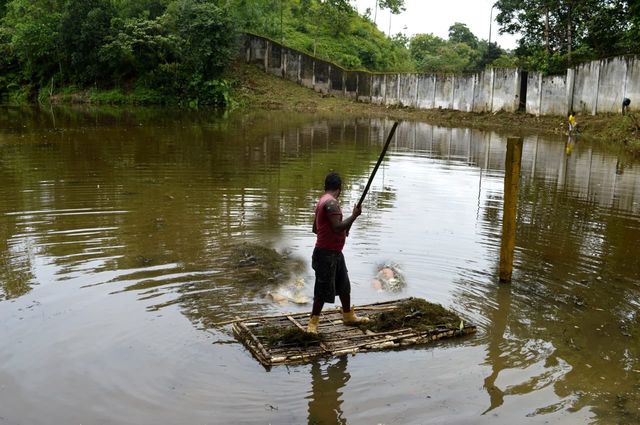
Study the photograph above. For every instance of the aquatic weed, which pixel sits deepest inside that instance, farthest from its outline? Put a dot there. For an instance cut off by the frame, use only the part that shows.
(414, 313)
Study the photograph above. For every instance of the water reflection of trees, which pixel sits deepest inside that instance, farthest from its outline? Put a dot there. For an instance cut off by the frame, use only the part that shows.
(153, 207)
(165, 197)
(575, 295)
(576, 268)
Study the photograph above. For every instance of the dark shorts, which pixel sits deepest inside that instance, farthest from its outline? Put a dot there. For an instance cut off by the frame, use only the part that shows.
(331, 275)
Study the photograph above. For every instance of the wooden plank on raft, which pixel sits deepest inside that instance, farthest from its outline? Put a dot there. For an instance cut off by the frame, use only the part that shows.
(338, 339)
(299, 326)
(375, 306)
(256, 347)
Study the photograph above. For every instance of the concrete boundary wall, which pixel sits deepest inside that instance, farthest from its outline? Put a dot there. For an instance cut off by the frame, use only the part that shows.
(506, 90)
(408, 90)
(426, 91)
(611, 84)
(596, 87)
(307, 71)
(463, 90)
(534, 93)
(632, 82)
(444, 92)
(378, 88)
(546, 95)
(482, 97)
(554, 95)
(365, 83)
(589, 88)
(585, 88)
(391, 89)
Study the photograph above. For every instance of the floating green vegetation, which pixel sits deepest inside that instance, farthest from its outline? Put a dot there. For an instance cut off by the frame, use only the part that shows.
(262, 265)
(414, 313)
(274, 336)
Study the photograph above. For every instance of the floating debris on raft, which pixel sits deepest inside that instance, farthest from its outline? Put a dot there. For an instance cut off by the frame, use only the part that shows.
(282, 339)
(275, 336)
(414, 313)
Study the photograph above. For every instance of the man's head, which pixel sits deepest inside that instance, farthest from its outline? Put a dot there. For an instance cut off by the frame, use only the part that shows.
(332, 182)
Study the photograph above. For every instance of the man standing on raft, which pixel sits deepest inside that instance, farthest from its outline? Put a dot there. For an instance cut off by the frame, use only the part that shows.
(328, 262)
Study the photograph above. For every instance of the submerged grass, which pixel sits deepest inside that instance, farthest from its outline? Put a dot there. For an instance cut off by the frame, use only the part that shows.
(415, 313)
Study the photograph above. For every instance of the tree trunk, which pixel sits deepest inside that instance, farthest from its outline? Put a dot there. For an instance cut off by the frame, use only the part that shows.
(569, 33)
(375, 13)
(546, 30)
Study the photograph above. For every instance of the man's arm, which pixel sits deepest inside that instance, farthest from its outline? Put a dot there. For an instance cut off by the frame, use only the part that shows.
(333, 211)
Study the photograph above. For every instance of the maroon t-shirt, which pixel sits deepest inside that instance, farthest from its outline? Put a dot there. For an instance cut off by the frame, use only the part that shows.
(326, 237)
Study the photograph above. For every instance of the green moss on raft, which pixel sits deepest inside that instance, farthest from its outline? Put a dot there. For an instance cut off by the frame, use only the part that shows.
(273, 336)
(415, 313)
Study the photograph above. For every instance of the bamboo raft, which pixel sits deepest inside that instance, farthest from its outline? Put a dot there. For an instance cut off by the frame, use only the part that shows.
(337, 339)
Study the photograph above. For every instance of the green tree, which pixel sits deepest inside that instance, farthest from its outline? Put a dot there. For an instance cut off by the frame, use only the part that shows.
(488, 54)
(207, 38)
(150, 9)
(208, 34)
(633, 34)
(554, 33)
(85, 26)
(605, 32)
(434, 54)
(338, 15)
(260, 16)
(460, 33)
(395, 6)
(3, 7)
(30, 29)
(138, 46)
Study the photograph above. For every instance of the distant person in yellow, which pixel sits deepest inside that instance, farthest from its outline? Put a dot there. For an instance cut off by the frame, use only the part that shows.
(572, 122)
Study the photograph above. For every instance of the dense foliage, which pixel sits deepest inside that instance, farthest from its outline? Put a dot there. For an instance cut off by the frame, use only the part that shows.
(556, 34)
(334, 31)
(462, 52)
(177, 48)
(331, 30)
(177, 51)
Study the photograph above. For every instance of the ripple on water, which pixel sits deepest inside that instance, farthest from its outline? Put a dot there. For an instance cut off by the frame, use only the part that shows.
(124, 231)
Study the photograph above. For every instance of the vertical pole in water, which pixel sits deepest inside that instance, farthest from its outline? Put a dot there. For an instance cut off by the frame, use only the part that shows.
(511, 186)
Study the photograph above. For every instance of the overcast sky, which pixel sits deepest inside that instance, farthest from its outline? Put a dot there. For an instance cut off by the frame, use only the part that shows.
(436, 16)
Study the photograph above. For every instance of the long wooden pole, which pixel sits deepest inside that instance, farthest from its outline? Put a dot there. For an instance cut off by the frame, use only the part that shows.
(513, 161)
(375, 169)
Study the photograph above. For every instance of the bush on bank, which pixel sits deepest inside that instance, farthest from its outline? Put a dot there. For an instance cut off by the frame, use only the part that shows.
(143, 51)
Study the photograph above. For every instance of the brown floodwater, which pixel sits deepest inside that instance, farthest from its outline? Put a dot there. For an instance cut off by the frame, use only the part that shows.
(117, 233)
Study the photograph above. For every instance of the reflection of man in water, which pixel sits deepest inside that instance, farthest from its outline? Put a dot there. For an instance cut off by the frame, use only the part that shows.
(325, 399)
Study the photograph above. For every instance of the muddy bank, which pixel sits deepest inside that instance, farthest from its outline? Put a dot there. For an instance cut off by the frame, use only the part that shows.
(256, 89)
